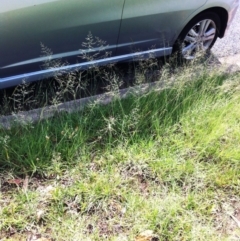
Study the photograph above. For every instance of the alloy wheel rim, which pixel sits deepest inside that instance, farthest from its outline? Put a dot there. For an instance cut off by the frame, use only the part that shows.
(199, 38)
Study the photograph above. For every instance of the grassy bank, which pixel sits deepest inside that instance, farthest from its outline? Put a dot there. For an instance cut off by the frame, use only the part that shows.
(167, 162)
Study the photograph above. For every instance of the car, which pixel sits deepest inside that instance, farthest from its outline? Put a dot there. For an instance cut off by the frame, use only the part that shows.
(124, 28)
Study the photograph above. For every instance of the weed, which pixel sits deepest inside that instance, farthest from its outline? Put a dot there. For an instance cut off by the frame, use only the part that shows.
(166, 162)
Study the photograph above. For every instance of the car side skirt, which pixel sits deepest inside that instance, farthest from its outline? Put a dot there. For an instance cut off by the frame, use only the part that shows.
(43, 74)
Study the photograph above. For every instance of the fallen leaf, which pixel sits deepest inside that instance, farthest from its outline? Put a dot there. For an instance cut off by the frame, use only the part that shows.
(236, 220)
(15, 181)
(40, 214)
(36, 238)
(147, 235)
(25, 184)
(43, 239)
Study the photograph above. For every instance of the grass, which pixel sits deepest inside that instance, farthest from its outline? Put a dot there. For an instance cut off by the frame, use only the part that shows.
(166, 161)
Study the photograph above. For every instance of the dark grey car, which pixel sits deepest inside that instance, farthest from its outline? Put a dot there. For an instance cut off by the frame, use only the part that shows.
(129, 27)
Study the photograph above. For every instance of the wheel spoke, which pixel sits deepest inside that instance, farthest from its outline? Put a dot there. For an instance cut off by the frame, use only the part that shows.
(209, 35)
(189, 49)
(204, 26)
(211, 31)
(208, 38)
(190, 39)
(199, 38)
(193, 33)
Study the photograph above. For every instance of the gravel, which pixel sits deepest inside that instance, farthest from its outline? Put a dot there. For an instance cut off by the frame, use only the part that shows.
(230, 44)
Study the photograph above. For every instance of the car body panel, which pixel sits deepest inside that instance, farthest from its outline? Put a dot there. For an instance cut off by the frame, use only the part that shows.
(230, 5)
(60, 25)
(154, 22)
(131, 28)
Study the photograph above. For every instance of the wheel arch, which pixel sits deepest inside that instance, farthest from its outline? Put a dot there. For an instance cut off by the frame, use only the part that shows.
(223, 16)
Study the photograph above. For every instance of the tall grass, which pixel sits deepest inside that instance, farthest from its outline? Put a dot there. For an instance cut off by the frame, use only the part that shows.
(163, 161)
(30, 148)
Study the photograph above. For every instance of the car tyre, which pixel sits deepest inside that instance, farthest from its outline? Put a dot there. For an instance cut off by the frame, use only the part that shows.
(198, 36)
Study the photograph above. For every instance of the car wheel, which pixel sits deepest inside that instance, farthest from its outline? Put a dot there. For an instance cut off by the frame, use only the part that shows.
(198, 36)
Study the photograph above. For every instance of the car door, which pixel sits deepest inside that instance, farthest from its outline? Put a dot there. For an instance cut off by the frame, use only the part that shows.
(61, 25)
(154, 24)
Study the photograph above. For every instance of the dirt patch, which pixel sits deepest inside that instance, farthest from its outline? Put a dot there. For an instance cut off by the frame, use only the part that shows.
(227, 217)
(139, 176)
